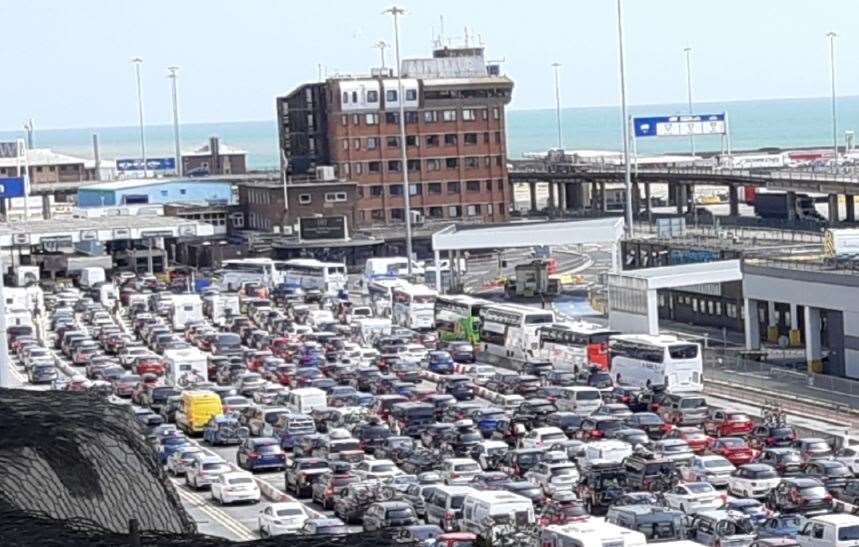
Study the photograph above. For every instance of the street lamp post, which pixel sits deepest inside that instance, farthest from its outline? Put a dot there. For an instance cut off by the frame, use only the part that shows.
(381, 45)
(624, 121)
(137, 62)
(832, 36)
(396, 12)
(172, 76)
(688, 52)
(556, 66)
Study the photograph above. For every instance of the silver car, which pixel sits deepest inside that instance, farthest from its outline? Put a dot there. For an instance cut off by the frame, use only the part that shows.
(203, 470)
(178, 462)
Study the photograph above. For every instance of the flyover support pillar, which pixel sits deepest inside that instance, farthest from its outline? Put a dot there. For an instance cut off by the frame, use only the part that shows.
(791, 206)
(532, 194)
(752, 324)
(680, 197)
(813, 352)
(563, 205)
(636, 200)
(46, 206)
(603, 204)
(595, 194)
(437, 259)
(647, 203)
(553, 196)
(833, 207)
(734, 201)
(850, 207)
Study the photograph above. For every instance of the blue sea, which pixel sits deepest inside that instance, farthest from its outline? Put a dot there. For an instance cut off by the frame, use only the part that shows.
(753, 124)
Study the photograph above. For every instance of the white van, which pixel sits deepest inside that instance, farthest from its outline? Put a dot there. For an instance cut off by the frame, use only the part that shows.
(24, 275)
(187, 308)
(183, 365)
(304, 400)
(107, 295)
(606, 451)
(593, 532)
(510, 402)
(498, 507)
(582, 400)
(365, 331)
(91, 276)
(221, 306)
(835, 530)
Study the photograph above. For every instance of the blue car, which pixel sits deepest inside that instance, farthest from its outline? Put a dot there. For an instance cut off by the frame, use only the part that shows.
(440, 362)
(361, 398)
(781, 526)
(489, 419)
(750, 507)
(224, 429)
(169, 445)
(261, 453)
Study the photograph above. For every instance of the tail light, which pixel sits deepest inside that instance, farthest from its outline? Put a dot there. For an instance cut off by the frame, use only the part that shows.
(645, 483)
(828, 497)
(253, 455)
(596, 434)
(624, 399)
(666, 427)
(724, 498)
(454, 476)
(448, 515)
(329, 491)
(770, 440)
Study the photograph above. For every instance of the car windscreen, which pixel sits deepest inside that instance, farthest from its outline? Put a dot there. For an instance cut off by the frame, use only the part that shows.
(699, 487)
(400, 513)
(849, 533)
(683, 351)
(813, 492)
(290, 512)
(269, 449)
(692, 402)
(588, 395)
(229, 340)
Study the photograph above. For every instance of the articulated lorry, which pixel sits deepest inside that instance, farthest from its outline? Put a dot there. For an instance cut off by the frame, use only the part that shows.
(775, 205)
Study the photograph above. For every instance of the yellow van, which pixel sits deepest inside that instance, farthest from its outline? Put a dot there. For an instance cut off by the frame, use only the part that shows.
(195, 410)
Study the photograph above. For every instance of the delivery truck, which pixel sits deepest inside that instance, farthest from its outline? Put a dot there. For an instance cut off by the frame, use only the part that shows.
(777, 206)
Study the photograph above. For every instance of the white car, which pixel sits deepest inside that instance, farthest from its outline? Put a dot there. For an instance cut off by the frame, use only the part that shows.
(694, 497)
(178, 461)
(235, 486)
(459, 470)
(713, 469)
(849, 456)
(377, 470)
(281, 518)
(542, 436)
(126, 358)
(480, 374)
(753, 480)
(414, 352)
(554, 477)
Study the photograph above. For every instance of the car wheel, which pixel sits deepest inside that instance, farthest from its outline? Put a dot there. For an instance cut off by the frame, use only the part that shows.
(262, 533)
(683, 508)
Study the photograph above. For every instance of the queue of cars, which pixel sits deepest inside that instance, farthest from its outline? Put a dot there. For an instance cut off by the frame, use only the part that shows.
(355, 427)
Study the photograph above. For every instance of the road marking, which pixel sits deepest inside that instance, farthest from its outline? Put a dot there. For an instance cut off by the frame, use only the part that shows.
(242, 532)
(18, 376)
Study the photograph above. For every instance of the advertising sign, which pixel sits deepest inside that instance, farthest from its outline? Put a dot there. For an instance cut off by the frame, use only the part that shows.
(55, 243)
(315, 228)
(89, 235)
(152, 164)
(680, 126)
(156, 233)
(21, 239)
(121, 233)
(12, 187)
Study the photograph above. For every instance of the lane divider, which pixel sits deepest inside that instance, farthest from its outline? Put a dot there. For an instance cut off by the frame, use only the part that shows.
(242, 532)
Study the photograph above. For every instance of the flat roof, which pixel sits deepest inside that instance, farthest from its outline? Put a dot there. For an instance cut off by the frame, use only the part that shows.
(138, 183)
(528, 234)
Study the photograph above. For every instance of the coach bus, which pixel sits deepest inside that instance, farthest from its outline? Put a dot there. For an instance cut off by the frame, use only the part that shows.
(510, 330)
(661, 362)
(310, 274)
(412, 306)
(457, 317)
(234, 273)
(379, 295)
(572, 344)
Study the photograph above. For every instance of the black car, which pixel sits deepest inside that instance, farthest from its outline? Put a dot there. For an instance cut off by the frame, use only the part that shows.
(632, 436)
(517, 462)
(644, 471)
(458, 385)
(395, 448)
(534, 412)
(301, 473)
(800, 495)
(371, 435)
(527, 489)
(650, 422)
(850, 492)
(569, 422)
(560, 378)
(434, 434)
(771, 435)
(786, 461)
(329, 486)
(631, 396)
(598, 427)
(462, 440)
(637, 498)
(420, 461)
(600, 486)
(461, 352)
(351, 505)
(539, 369)
(389, 514)
(832, 473)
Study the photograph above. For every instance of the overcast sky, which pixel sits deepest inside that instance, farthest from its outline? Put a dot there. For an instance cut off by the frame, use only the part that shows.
(65, 63)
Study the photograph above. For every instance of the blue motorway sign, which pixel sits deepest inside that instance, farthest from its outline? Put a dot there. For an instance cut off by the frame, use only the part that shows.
(152, 164)
(12, 187)
(680, 126)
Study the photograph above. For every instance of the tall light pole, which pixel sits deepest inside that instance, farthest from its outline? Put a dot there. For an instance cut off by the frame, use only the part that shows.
(556, 66)
(624, 121)
(396, 12)
(173, 76)
(688, 52)
(832, 36)
(137, 62)
(381, 45)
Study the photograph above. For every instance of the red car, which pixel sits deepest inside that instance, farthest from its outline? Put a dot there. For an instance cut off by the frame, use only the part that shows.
(562, 512)
(697, 440)
(254, 361)
(148, 364)
(727, 423)
(734, 449)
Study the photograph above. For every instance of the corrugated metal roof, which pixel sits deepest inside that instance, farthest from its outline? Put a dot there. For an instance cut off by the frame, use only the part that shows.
(138, 183)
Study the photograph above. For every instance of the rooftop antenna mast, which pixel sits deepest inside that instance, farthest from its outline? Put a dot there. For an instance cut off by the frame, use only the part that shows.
(466, 36)
(381, 45)
(441, 31)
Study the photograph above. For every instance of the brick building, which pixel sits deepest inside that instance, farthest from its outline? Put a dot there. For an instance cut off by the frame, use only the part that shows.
(262, 203)
(49, 166)
(455, 137)
(214, 158)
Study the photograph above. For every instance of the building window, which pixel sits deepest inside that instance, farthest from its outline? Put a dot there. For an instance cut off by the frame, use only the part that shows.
(354, 96)
(431, 140)
(372, 96)
(374, 167)
(499, 185)
(415, 189)
(395, 165)
(377, 191)
(496, 113)
(183, 191)
(392, 118)
(453, 187)
(39, 169)
(359, 191)
(391, 95)
(454, 211)
(498, 137)
(472, 210)
(434, 188)
(345, 169)
(450, 139)
(430, 116)
(433, 165)
(487, 161)
(436, 212)
(377, 214)
(334, 197)
(397, 214)
(163, 192)
(411, 140)
(484, 113)
(470, 138)
(345, 97)
(468, 115)
(489, 208)
(472, 162)
(371, 119)
(488, 185)
(345, 144)
(372, 143)
(472, 186)
(501, 209)
(356, 119)
(344, 120)
(498, 161)
(392, 142)
(411, 94)
(411, 117)
(305, 199)
(448, 115)
(356, 144)
(414, 165)
(451, 163)
(358, 168)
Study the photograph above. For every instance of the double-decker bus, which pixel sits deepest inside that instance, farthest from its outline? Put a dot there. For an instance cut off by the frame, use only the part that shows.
(660, 362)
(571, 344)
(510, 330)
(412, 306)
(311, 274)
(457, 317)
(379, 295)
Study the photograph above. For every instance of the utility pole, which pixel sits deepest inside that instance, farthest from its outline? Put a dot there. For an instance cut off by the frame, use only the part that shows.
(556, 66)
(28, 126)
(381, 45)
(173, 76)
(5, 363)
(832, 36)
(624, 120)
(688, 52)
(401, 99)
(137, 62)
